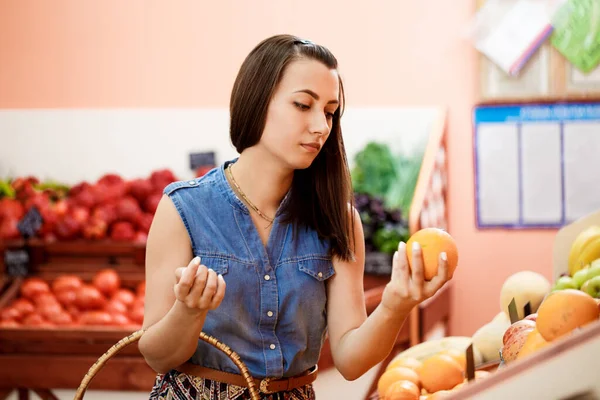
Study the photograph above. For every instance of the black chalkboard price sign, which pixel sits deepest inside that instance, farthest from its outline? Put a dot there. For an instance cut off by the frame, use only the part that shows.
(16, 262)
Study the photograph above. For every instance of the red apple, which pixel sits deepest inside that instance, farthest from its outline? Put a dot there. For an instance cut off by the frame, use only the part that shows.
(106, 213)
(67, 228)
(151, 203)
(128, 209)
(122, 231)
(517, 327)
(83, 195)
(531, 317)
(11, 208)
(95, 229)
(8, 228)
(144, 221)
(80, 214)
(140, 189)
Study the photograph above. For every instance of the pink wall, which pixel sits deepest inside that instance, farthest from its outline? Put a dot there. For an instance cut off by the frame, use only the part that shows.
(184, 53)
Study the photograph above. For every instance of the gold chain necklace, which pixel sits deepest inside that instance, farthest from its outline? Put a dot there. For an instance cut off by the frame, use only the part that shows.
(260, 213)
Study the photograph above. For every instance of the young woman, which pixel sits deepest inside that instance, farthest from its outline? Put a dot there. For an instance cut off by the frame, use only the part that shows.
(276, 247)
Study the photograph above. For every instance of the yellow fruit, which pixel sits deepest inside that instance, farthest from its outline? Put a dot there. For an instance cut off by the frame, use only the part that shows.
(433, 241)
(563, 311)
(585, 239)
(588, 254)
(408, 362)
(393, 375)
(440, 372)
(402, 390)
(533, 343)
(458, 356)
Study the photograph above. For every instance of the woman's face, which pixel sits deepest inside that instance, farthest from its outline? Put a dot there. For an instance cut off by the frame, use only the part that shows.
(300, 113)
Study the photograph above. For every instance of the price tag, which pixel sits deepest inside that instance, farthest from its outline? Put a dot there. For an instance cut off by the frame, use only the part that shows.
(16, 262)
(470, 363)
(30, 223)
(198, 160)
(512, 311)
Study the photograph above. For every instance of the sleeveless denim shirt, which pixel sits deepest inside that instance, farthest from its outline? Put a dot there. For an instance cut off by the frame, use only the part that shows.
(274, 310)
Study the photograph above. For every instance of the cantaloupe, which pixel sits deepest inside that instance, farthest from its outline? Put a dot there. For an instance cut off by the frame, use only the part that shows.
(525, 287)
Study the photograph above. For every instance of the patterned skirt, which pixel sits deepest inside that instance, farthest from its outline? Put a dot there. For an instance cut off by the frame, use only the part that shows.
(176, 385)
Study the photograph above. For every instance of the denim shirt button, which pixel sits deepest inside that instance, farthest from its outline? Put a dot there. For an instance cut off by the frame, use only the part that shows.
(320, 274)
(192, 182)
(270, 313)
(272, 346)
(267, 277)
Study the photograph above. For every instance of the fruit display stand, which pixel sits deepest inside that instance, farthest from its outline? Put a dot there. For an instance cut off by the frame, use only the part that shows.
(428, 209)
(41, 359)
(551, 329)
(38, 358)
(567, 369)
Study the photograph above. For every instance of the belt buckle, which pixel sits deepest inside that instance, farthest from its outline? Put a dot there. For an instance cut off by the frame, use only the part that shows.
(264, 386)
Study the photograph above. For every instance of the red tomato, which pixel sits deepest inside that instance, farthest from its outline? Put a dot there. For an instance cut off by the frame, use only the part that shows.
(107, 281)
(138, 302)
(125, 296)
(10, 313)
(121, 319)
(61, 318)
(24, 306)
(114, 306)
(88, 297)
(9, 324)
(67, 297)
(137, 315)
(44, 299)
(48, 310)
(74, 312)
(140, 291)
(32, 287)
(66, 282)
(95, 318)
(33, 319)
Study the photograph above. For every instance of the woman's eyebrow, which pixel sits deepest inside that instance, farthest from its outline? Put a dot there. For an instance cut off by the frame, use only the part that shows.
(315, 96)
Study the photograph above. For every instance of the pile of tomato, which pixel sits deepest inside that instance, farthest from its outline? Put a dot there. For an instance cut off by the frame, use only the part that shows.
(70, 301)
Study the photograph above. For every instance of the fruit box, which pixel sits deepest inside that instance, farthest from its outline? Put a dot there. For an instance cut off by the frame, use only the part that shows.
(71, 339)
(53, 357)
(564, 240)
(74, 257)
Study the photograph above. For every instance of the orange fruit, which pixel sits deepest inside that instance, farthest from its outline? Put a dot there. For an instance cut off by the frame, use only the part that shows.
(564, 310)
(440, 372)
(408, 362)
(402, 390)
(433, 241)
(459, 356)
(393, 375)
(533, 342)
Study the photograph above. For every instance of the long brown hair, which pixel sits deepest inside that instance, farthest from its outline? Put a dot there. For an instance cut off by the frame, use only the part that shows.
(322, 193)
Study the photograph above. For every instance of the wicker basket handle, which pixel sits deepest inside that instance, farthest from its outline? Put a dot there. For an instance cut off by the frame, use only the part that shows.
(135, 336)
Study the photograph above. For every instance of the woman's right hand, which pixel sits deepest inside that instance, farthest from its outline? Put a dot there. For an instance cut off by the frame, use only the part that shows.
(199, 287)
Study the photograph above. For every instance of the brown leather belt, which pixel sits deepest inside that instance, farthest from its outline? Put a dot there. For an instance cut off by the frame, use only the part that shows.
(266, 385)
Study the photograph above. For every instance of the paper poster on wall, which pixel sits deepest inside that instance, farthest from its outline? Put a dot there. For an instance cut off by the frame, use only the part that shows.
(509, 32)
(577, 33)
(536, 165)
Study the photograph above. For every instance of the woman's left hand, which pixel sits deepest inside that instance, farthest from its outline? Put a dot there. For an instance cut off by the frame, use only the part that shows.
(407, 287)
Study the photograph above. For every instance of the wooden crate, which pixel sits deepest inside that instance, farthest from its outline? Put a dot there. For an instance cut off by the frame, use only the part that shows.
(59, 357)
(78, 256)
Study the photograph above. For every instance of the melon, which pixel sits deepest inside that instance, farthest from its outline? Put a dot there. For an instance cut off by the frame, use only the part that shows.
(488, 339)
(525, 287)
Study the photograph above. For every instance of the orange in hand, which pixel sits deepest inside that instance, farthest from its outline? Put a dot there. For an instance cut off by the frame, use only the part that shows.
(433, 241)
